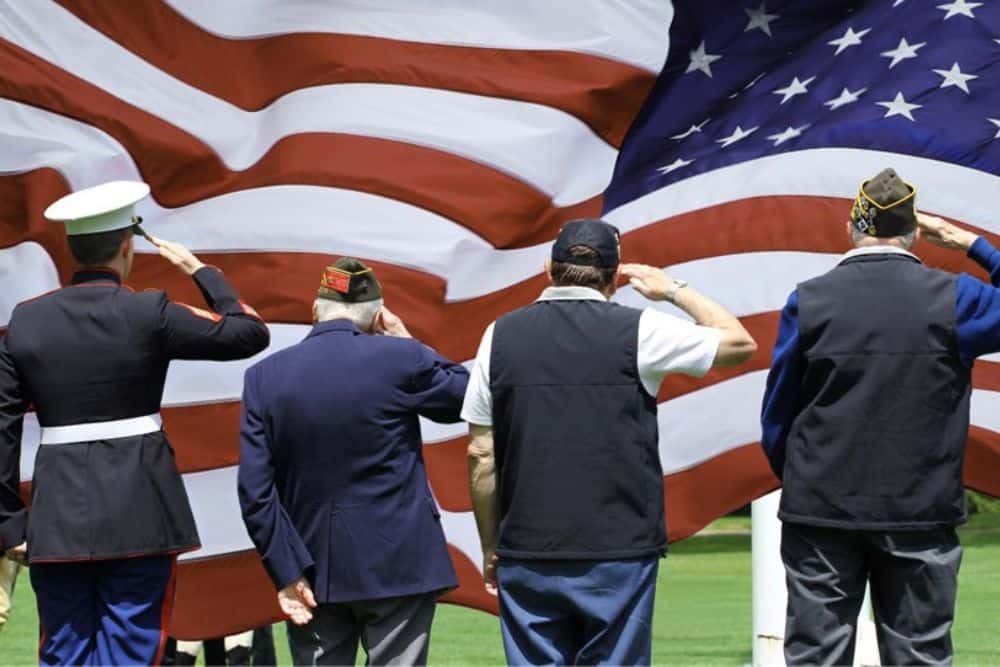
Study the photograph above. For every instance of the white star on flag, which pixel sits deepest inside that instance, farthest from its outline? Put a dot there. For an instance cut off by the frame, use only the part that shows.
(702, 61)
(850, 38)
(955, 77)
(959, 7)
(899, 107)
(846, 97)
(789, 133)
(796, 87)
(995, 121)
(738, 134)
(760, 19)
(902, 52)
(674, 166)
(691, 130)
(897, 3)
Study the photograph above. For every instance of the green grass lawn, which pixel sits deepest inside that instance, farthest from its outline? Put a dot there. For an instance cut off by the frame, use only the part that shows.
(702, 607)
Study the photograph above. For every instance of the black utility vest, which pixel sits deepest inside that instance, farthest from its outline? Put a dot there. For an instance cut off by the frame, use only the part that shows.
(880, 438)
(575, 435)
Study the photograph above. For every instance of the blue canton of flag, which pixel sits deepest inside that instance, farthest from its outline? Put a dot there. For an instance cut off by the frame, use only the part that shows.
(743, 81)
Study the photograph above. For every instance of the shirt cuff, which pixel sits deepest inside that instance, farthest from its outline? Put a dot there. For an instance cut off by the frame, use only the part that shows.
(13, 531)
(981, 252)
(477, 420)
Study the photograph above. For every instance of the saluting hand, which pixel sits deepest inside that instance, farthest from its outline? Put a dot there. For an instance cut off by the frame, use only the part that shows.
(388, 323)
(297, 601)
(648, 281)
(942, 233)
(177, 255)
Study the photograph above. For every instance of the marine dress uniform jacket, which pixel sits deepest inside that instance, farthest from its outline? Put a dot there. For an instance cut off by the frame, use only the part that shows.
(331, 480)
(95, 352)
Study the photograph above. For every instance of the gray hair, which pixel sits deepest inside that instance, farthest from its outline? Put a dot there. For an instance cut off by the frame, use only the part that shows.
(906, 241)
(361, 314)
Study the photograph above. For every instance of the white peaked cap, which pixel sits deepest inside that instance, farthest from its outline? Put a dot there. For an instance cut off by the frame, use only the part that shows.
(102, 208)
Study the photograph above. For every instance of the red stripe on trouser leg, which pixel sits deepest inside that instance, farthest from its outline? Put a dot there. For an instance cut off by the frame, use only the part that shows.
(166, 610)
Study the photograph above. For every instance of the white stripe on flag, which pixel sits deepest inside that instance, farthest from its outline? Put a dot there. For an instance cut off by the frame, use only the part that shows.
(26, 271)
(530, 141)
(949, 189)
(632, 31)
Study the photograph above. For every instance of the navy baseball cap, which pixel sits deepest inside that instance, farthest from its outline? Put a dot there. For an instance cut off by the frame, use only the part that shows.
(599, 236)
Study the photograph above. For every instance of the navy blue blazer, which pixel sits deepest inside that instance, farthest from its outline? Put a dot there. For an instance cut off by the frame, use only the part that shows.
(331, 477)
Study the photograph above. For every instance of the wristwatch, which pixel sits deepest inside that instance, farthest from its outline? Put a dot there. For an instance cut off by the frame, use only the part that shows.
(674, 286)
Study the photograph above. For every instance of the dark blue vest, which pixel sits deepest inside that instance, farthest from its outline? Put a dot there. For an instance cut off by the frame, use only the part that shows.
(575, 435)
(880, 438)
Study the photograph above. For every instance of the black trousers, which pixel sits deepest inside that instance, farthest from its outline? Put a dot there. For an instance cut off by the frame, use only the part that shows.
(914, 578)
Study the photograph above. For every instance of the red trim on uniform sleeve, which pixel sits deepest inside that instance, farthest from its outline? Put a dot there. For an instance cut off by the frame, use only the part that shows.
(249, 310)
(202, 313)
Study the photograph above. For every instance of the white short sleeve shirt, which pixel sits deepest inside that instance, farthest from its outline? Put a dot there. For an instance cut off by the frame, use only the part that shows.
(667, 344)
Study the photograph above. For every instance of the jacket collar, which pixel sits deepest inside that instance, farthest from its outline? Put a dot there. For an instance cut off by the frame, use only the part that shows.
(342, 325)
(571, 293)
(94, 274)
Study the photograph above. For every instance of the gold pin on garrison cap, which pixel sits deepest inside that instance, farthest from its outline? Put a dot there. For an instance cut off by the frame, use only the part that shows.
(350, 281)
(102, 208)
(885, 206)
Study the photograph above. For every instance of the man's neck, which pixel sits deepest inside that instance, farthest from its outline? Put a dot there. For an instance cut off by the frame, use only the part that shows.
(117, 265)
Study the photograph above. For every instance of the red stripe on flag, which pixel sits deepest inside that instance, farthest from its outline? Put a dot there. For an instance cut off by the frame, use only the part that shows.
(23, 199)
(697, 496)
(601, 92)
(982, 460)
(471, 591)
(505, 211)
(222, 596)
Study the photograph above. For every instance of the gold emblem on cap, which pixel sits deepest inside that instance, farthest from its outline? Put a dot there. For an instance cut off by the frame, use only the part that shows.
(865, 209)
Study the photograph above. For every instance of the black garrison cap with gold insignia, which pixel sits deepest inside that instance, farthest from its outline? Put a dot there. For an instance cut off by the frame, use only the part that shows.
(885, 206)
(348, 280)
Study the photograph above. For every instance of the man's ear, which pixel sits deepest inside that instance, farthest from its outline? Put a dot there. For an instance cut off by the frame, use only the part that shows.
(548, 269)
(126, 247)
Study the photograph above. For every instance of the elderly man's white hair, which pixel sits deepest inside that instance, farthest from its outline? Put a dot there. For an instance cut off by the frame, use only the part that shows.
(905, 241)
(361, 314)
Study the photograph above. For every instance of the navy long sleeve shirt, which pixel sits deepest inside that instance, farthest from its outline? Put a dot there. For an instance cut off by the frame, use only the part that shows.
(977, 319)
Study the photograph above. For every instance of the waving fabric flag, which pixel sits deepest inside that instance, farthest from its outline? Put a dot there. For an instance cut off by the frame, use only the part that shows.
(446, 145)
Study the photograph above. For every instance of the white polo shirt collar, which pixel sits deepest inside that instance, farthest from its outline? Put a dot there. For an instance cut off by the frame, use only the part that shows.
(878, 250)
(571, 293)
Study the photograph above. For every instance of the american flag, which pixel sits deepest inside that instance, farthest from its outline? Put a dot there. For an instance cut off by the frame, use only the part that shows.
(446, 142)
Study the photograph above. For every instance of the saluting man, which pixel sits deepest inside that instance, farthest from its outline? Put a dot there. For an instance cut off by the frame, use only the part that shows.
(865, 419)
(109, 511)
(332, 481)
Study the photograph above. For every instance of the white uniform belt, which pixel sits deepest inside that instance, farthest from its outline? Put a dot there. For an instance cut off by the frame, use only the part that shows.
(117, 428)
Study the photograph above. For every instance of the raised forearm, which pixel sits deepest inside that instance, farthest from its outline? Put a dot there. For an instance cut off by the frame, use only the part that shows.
(736, 345)
(705, 311)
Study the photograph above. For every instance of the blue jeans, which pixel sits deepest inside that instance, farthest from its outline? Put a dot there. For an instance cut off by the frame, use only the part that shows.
(577, 612)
